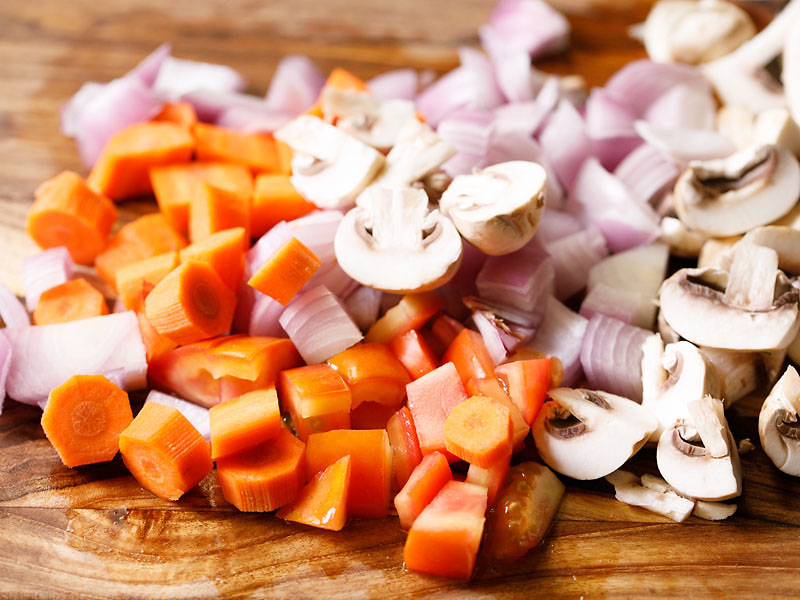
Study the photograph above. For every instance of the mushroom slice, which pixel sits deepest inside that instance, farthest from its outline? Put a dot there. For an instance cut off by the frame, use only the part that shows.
(663, 501)
(682, 241)
(497, 209)
(778, 425)
(329, 167)
(587, 434)
(776, 126)
(717, 253)
(713, 511)
(737, 123)
(791, 67)
(667, 333)
(727, 196)
(751, 278)
(392, 242)
(784, 240)
(739, 372)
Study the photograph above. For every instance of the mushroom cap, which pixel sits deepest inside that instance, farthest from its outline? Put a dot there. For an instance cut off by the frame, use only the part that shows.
(739, 372)
(784, 240)
(587, 434)
(778, 425)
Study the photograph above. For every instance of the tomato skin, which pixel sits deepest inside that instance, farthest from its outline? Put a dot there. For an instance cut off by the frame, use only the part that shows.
(425, 482)
(316, 397)
(527, 382)
(492, 478)
(470, 356)
(412, 312)
(373, 374)
(413, 351)
(323, 502)
(405, 445)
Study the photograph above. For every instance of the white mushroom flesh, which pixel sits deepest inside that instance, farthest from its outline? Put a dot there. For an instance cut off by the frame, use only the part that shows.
(628, 489)
(739, 372)
(713, 511)
(778, 426)
(751, 278)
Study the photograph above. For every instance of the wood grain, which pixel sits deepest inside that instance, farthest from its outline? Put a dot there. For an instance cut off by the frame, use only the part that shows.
(93, 532)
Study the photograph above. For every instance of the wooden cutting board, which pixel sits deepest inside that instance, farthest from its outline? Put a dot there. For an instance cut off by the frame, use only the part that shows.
(94, 533)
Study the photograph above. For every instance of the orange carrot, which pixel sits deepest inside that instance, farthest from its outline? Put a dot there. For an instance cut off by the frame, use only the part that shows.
(122, 169)
(266, 477)
(224, 252)
(323, 502)
(84, 417)
(425, 482)
(491, 388)
(244, 422)
(479, 431)
(69, 301)
(214, 209)
(492, 478)
(284, 273)
(147, 236)
(276, 200)
(373, 374)
(155, 344)
(190, 304)
(164, 452)
(255, 151)
(68, 213)
(339, 79)
(317, 399)
(180, 113)
(176, 185)
(411, 312)
(136, 280)
(284, 157)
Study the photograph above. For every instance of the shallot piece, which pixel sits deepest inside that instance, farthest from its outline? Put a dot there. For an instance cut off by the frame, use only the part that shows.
(5, 365)
(295, 85)
(43, 271)
(12, 312)
(197, 415)
(561, 335)
(532, 26)
(177, 76)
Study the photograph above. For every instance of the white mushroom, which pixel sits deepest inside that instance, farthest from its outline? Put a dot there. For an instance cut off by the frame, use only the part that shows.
(329, 167)
(394, 243)
(791, 68)
(681, 240)
(739, 372)
(658, 499)
(717, 253)
(737, 123)
(776, 126)
(713, 511)
(778, 425)
(588, 434)
(785, 241)
(667, 333)
(723, 197)
(497, 209)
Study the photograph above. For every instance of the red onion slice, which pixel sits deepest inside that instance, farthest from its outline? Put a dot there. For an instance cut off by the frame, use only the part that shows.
(210, 105)
(264, 316)
(623, 305)
(566, 143)
(608, 118)
(684, 145)
(492, 338)
(684, 107)
(573, 256)
(556, 224)
(43, 271)
(178, 76)
(363, 305)
(532, 26)
(647, 172)
(317, 231)
(5, 365)
(12, 312)
(197, 415)
(400, 84)
(295, 85)
(469, 131)
(522, 279)
(561, 335)
(251, 120)
(519, 117)
(514, 75)
(148, 69)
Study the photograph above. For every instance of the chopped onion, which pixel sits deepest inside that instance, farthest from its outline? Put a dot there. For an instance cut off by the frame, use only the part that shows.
(566, 143)
(463, 282)
(333, 277)
(12, 312)
(532, 26)
(210, 105)
(684, 107)
(519, 118)
(5, 365)
(363, 305)
(319, 325)
(177, 76)
(317, 231)
(606, 117)
(561, 335)
(647, 172)
(492, 338)
(197, 415)
(573, 256)
(148, 69)
(469, 131)
(514, 75)
(624, 305)
(556, 224)
(522, 279)
(44, 356)
(251, 120)
(44, 271)
(684, 145)
(264, 316)
(295, 85)
(400, 84)
(266, 246)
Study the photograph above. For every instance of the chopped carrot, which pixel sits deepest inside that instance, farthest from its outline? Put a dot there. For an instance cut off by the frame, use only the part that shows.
(492, 478)
(180, 113)
(224, 251)
(527, 382)
(317, 398)
(323, 502)
(244, 422)
(147, 236)
(122, 169)
(373, 374)
(491, 388)
(470, 356)
(68, 213)
(155, 344)
(215, 209)
(371, 475)
(276, 200)
(478, 431)
(190, 304)
(284, 273)
(175, 186)
(426, 480)
(136, 280)
(339, 79)
(265, 477)
(405, 445)
(164, 452)
(413, 351)
(371, 415)
(284, 157)
(256, 151)
(70, 301)
(411, 312)
(84, 417)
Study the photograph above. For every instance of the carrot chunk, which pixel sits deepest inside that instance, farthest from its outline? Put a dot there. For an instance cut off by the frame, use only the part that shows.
(323, 502)
(84, 417)
(285, 272)
(70, 301)
(317, 398)
(122, 169)
(412, 312)
(180, 113)
(275, 200)
(224, 252)
(255, 151)
(214, 209)
(265, 477)
(244, 422)
(527, 382)
(190, 304)
(413, 351)
(136, 280)
(405, 445)
(68, 213)
(478, 431)
(164, 452)
(491, 388)
(155, 344)
(426, 480)
(373, 374)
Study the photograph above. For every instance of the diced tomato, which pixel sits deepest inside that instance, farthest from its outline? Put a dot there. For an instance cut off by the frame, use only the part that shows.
(492, 478)
(323, 502)
(405, 445)
(371, 415)
(528, 353)
(469, 355)
(373, 373)
(527, 382)
(413, 351)
(445, 329)
(445, 537)
(425, 482)
(412, 312)
(316, 397)
(491, 388)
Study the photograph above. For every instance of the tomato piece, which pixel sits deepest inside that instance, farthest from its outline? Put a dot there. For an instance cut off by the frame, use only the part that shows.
(525, 507)
(445, 329)
(373, 373)
(371, 415)
(413, 351)
(527, 382)
(445, 537)
(425, 482)
(316, 397)
(412, 312)
(323, 502)
(492, 478)
(469, 355)
(405, 445)
(491, 388)
(528, 353)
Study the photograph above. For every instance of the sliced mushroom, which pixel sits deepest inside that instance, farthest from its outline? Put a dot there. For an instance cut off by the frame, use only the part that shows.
(686, 454)
(667, 333)
(329, 167)
(740, 373)
(394, 243)
(791, 68)
(717, 253)
(587, 434)
(628, 489)
(785, 241)
(497, 209)
(778, 425)
(751, 278)
(737, 123)
(727, 196)
(682, 241)
(713, 511)
(776, 126)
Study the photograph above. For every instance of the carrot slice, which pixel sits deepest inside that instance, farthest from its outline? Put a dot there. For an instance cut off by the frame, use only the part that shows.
(413, 351)
(224, 252)
(373, 374)
(426, 480)
(68, 213)
(136, 280)
(147, 236)
(255, 151)
(317, 398)
(405, 445)
(493, 478)
(284, 157)
(527, 382)
(412, 312)
(180, 113)
(491, 388)
(190, 304)
(265, 477)
(285, 272)
(244, 422)
(214, 209)
(155, 344)
(323, 502)
(276, 200)
(70, 301)
(478, 431)
(84, 417)
(470, 356)
(164, 452)
(175, 186)
(122, 169)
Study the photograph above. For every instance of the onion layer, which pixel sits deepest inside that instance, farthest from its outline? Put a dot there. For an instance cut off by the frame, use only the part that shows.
(44, 271)
(197, 415)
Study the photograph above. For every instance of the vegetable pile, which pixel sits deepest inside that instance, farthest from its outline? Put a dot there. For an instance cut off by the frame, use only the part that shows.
(358, 295)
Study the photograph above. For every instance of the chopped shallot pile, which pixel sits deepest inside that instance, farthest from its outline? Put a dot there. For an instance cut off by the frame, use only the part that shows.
(362, 295)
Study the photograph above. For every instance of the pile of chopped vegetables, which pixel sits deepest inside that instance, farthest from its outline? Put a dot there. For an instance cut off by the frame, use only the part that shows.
(363, 295)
